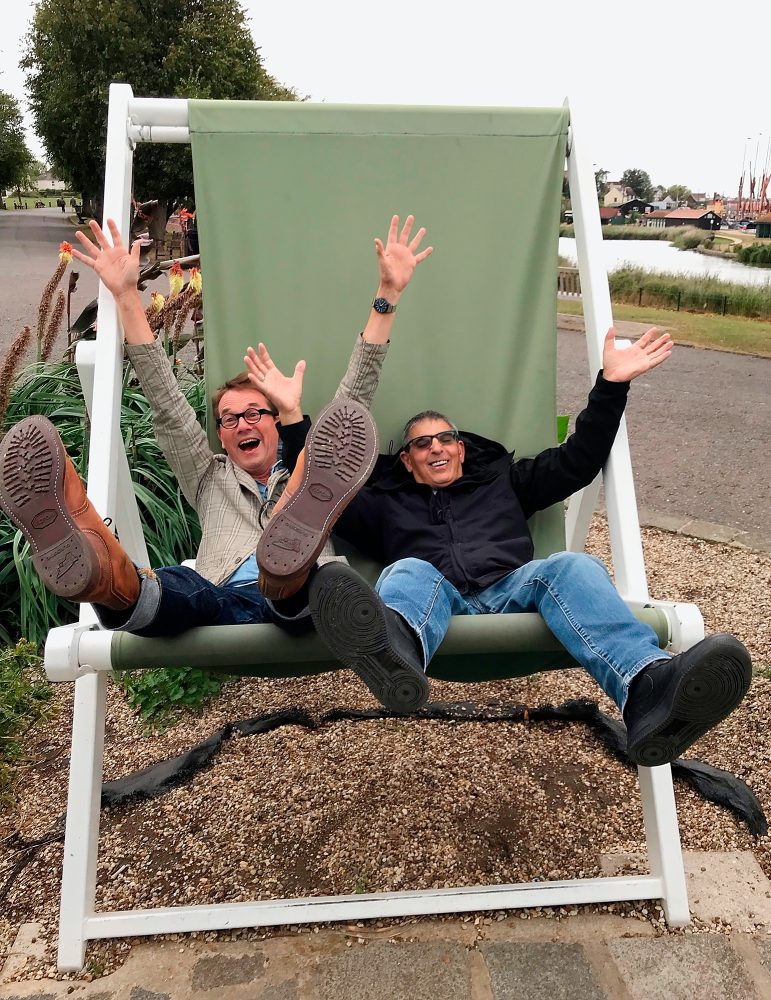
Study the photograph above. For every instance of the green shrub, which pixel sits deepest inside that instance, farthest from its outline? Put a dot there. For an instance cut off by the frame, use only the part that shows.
(171, 527)
(24, 699)
(158, 695)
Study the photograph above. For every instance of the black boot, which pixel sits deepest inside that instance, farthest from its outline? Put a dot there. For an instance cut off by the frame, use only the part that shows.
(367, 636)
(674, 701)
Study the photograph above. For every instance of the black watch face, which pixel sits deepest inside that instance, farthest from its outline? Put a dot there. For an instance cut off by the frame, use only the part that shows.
(382, 305)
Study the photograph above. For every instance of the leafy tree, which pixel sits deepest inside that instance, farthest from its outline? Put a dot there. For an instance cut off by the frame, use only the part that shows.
(75, 49)
(17, 164)
(601, 182)
(678, 192)
(639, 181)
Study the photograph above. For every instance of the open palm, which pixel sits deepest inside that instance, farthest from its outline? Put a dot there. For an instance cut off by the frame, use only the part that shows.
(401, 255)
(624, 364)
(117, 267)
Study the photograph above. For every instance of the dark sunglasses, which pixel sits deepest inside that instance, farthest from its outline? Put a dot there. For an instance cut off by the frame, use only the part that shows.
(423, 441)
(252, 415)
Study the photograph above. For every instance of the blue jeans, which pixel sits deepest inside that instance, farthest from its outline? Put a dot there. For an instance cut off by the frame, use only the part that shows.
(176, 598)
(573, 593)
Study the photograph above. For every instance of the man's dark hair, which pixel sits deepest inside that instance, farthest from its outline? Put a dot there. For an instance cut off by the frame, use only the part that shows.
(424, 415)
(239, 381)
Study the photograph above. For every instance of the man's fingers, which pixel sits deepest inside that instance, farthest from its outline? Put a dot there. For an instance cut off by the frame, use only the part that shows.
(265, 358)
(423, 254)
(115, 233)
(87, 244)
(415, 242)
(379, 249)
(88, 261)
(407, 229)
(393, 229)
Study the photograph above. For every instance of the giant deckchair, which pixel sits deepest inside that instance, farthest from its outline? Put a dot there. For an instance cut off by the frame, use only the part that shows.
(288, 197)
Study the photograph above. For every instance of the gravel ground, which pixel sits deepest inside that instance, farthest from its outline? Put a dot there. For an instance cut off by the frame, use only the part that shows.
(393, 803)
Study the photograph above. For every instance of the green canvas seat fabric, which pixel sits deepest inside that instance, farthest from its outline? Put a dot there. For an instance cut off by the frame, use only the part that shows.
(289, 199)
(479, 648)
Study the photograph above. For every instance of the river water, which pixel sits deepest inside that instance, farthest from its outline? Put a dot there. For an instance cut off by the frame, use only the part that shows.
(658, 256)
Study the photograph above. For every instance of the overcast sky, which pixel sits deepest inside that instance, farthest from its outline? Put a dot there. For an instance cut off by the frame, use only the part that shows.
(665, 87)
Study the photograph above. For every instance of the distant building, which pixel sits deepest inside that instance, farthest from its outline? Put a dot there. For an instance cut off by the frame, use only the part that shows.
(607, 214)
(664, 203)
(47, 182)
(763, 230)
(617, 194)
(698, 217)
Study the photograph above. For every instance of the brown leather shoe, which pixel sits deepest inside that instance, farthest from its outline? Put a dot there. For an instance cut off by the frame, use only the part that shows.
(74, 553)
(340, 453)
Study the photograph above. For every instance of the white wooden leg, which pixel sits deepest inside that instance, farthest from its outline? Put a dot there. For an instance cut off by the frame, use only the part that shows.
(663, 836)
(81, 841)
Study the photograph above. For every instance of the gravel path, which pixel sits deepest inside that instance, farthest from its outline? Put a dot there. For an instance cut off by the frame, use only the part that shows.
(397, 803)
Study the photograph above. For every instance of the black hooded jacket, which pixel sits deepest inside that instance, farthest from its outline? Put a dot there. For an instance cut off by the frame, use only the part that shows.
(475, 531)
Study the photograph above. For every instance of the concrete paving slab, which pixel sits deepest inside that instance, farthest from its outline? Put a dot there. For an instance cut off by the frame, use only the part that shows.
(541, 971)
(702, 966)
(763, 947)
(383, 971)
(27, 996)
(731, 886)
(725, 885)
(224, 970)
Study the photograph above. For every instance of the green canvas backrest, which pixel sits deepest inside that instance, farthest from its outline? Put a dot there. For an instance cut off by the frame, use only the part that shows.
(289, 199)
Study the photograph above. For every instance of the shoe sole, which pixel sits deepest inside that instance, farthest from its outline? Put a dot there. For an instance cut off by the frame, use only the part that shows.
(706, 694)
(349, 617)
(340, 453)
(32, 470)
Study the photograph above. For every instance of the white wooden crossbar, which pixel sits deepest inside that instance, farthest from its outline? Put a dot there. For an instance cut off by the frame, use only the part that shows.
(132, 120)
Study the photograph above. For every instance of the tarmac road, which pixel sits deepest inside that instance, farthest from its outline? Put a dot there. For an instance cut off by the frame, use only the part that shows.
(29, 253)
(698, 425)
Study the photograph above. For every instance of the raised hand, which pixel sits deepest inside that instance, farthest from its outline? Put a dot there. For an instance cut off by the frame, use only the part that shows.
(282, 391)
(116, 266)
(400, 256)
(624, 364)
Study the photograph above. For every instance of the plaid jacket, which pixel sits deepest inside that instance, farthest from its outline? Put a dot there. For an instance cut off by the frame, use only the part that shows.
(225, 497)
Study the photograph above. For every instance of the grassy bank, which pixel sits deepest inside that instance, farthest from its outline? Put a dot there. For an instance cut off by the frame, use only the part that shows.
(684, 237)
(727, 333)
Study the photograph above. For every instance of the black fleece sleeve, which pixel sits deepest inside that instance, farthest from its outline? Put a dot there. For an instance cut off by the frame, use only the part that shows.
(555, 474)
(293, 441)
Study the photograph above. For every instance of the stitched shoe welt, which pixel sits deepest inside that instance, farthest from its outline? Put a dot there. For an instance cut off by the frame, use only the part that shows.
(32, 472)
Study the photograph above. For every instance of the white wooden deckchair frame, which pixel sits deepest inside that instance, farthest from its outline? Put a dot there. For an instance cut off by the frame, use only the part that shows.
(81, 652)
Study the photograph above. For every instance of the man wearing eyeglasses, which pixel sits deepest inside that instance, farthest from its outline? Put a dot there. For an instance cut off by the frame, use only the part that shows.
(79, 558)
(449, 521)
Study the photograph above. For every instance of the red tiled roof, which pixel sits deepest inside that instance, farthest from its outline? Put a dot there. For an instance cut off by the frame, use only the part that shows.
(609, 213)
(687, 213)
(659, 213)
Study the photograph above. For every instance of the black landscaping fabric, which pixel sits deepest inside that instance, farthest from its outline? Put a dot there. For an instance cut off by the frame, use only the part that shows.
(716, 785)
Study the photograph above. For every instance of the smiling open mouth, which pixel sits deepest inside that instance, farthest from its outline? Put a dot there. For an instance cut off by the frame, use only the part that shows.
(250, 444)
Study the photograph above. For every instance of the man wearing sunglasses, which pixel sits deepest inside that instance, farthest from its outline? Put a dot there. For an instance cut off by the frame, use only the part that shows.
(449, 521)
(79, 558)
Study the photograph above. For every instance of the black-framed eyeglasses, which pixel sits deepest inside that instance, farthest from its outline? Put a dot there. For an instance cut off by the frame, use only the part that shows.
(252, 415)
(423, 441)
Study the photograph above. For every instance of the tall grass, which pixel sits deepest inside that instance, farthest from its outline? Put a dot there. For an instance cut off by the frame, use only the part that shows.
(627, 233)
(693, 294)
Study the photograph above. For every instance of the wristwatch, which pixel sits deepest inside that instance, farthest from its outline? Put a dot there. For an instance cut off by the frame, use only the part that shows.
(383, 306)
